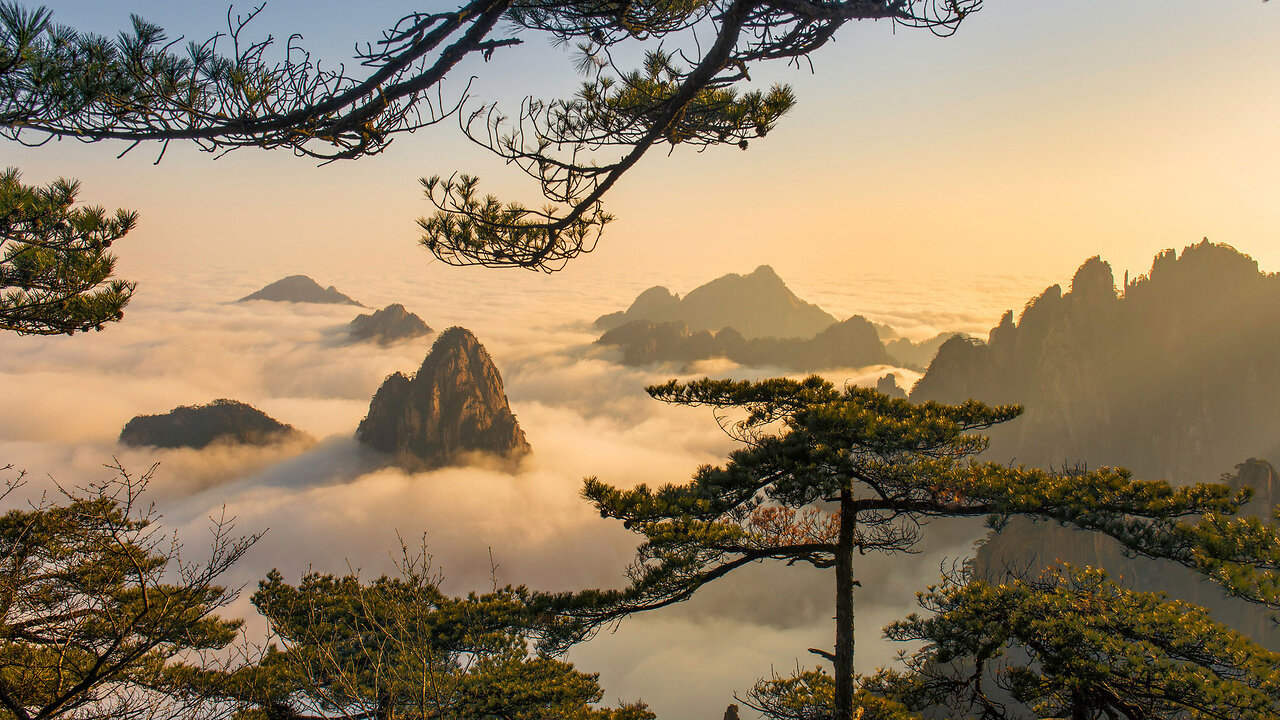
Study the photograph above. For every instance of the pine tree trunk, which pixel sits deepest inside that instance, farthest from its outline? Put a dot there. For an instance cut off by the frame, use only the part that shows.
(844, 609)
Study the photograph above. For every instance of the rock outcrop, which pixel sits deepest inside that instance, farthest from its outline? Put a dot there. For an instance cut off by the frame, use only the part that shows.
(852, 343)
(197, 426)
(453, 406)
(1173, 378)
(302, 289)
(888, 385)
(390, 324)
(756, 306)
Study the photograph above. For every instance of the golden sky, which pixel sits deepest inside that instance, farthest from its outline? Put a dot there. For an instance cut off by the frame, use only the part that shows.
(1040, 134)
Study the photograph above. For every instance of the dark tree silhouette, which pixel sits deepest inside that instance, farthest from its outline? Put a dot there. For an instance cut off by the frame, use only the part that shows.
(100, 608)
(229, 92)
(827, 475)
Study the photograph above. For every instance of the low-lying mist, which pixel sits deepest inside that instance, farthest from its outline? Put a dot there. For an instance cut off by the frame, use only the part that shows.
(333, 505)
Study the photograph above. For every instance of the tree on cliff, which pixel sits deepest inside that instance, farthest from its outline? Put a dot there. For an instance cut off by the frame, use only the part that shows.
(397, 647)
(55, 268)
(826, 474)
(227, 92)
(99, 607)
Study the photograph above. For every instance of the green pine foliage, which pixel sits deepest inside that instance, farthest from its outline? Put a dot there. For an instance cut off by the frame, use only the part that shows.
(398, 647)
(1072, 643)
(826, 474)
(99, 608)
(55, 267)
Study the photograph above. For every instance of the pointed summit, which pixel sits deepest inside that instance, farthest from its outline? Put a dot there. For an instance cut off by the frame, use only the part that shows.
(454, 405)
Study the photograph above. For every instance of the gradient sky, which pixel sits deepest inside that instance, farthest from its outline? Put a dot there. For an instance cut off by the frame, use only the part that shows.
(1039, 135)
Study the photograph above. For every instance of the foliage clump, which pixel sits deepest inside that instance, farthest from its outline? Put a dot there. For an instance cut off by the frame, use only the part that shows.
(56, 268)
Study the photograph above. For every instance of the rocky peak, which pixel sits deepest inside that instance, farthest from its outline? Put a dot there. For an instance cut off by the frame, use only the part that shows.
(455, 404)
(387, 325)
(888, 386)
(1094, 282)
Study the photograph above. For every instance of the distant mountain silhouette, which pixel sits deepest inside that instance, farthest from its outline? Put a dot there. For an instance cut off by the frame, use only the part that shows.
(852, 343)
(1174, 378)
(756, 305)
(387, 325)
(300, 288)
(455, 404)
(888, 385)
(917, 355)
(197, 426)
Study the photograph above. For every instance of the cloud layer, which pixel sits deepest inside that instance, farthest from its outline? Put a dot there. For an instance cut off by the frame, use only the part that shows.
(333, 506)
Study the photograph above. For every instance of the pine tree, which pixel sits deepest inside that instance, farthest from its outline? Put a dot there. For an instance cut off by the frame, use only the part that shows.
(55, 268)
(100, 610)
(693, 88)
(828, 474)
(397, 647)
(1072, 643)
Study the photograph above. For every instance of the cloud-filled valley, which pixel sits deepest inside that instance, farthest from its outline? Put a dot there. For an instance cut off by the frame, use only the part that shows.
(334, 504)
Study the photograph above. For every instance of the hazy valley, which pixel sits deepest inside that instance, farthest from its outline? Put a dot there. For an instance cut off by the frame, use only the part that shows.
(579, 402)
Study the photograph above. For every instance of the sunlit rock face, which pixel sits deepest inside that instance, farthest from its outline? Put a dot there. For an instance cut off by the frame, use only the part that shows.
(453, 406)
(1172, 378)
(196, 426)
(756, 305)
(386, 326)
(301, 289)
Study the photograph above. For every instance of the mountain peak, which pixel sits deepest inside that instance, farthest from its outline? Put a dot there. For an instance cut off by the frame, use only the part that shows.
(391, 323)
(197, 426)
(300, 288)
(756, 305)
(454, 405)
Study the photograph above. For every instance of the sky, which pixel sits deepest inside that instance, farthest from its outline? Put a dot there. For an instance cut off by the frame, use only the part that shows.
(1041, 134)
(929, 183)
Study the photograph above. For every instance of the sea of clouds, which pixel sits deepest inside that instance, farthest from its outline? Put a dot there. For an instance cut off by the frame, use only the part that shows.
(332, 506)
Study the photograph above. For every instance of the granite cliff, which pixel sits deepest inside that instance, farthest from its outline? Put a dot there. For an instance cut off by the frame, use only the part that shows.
(388, 325)
(454, 405)
(299, 288)
(197, 426)
(1173, 377)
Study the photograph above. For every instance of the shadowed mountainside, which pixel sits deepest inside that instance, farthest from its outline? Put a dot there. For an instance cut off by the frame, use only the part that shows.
(754, 320)
(852, 343)
(455, 404)
(915, 355)
(197, 426)
(1173, 378)
(299, 288)
(756, 305)
(388, 325)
